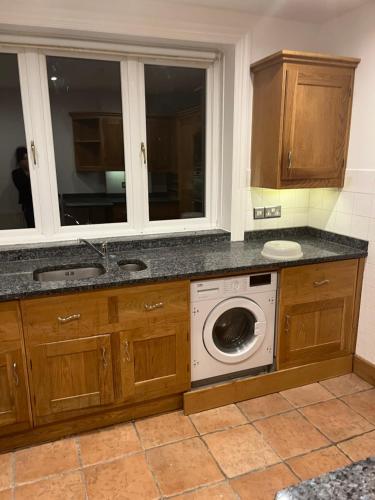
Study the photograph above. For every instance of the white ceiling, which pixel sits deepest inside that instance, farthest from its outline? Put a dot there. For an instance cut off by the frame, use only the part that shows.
(313, 11)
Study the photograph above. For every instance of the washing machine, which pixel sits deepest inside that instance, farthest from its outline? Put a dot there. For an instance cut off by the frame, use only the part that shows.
(232, 326)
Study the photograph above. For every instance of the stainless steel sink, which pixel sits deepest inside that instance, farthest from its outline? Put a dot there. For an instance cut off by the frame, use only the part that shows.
(68, 273)
(132, 265)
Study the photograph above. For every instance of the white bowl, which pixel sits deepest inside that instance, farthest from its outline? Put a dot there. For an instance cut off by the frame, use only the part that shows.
(282, 250)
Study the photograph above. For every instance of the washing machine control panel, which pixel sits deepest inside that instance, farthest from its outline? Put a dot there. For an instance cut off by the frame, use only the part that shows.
(211, 289)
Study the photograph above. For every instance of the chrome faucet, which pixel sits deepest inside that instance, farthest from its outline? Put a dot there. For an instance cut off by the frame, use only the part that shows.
(102, 252)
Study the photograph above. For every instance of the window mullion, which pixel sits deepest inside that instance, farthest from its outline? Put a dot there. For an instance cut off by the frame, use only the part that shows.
(134, 135)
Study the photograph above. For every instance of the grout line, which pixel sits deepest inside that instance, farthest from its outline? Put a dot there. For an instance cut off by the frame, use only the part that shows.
(81, 471)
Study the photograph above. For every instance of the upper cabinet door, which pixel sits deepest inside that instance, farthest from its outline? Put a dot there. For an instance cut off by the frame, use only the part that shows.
(301, 119)
(316, 122)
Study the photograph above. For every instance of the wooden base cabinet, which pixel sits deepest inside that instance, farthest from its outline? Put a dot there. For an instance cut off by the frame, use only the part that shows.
(316, 312)
(97, 351)
(15, 414)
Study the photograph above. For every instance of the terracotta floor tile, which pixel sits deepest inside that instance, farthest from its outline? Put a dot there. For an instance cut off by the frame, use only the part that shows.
(306, 395)
(5, 471)
(163, 429)
(346, 384)
(218, 418)
(266, 406)
(218, 492)
(363, 403)
(360, 447)
(63, 487)
(318, 462)
(290, 434)
(240, 450)
(183, 466)
(6, 495)
(51, 458)
(108, 443)
(127, 478)
(336, 420)
(263, 484)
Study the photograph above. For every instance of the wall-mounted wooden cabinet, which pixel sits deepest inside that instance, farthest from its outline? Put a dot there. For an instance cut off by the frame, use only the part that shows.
(301, 119)
(98, 141)
(316, 312)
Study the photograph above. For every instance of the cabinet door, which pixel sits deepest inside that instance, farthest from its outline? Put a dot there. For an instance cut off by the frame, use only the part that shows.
(315, 331)
(161, 145)
(316, 122)
(71, 375)
(14, 407)
(154, 360)
(112, 143)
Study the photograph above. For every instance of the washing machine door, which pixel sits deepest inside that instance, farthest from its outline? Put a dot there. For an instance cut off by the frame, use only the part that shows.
(234, 330)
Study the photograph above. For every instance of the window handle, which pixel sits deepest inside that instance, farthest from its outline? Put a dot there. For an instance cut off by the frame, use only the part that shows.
(33, 152)
(143, 153)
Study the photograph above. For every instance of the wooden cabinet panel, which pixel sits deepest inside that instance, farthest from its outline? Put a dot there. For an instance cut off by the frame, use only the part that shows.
(301, 119)
(319, 281)
(112, 143)
(317, 111)
(316, 312)
(161, 143)
(68, 317)
(153, 302)
(71, 375)
(155, 360)
(15, 414)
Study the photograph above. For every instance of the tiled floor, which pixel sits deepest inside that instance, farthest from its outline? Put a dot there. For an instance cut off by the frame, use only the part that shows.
(244, 451)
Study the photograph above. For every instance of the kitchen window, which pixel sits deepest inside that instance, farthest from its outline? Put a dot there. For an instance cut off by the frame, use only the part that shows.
(121, 144)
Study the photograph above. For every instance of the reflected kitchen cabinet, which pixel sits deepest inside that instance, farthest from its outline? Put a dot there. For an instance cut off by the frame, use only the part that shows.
(98, 141)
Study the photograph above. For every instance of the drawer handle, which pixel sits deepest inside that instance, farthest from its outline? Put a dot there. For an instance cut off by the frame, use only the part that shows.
(104, 356)
(127, 354)
(151, 307)
(321, 283)
(66, 319)
(15, 375)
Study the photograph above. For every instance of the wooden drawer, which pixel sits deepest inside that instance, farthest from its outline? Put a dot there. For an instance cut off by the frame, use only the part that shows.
(61, 318)
(318, 282)
(153, 303)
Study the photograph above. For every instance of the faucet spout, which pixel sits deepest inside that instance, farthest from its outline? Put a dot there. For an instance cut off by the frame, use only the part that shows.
(102, 253)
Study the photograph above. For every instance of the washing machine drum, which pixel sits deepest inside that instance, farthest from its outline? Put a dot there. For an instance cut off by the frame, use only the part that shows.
(234, 330)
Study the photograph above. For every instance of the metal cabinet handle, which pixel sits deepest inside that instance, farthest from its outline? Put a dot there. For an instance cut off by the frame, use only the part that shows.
(290, 159)
(287, 324)
(33, 152)
(321, 283)
(151, 307)
(104, 356)
(127, 354)
(143, 153)
(66, 319)
(15, 375)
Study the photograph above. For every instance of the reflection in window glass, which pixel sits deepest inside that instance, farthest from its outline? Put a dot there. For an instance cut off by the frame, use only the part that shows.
(16, 204)
(86, 110)
(175, 119)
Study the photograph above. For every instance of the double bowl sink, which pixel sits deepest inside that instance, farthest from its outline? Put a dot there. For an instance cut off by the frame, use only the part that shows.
(79, 272)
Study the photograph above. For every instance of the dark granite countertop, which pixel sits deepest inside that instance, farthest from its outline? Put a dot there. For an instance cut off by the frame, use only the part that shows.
(168, 257)
(354, 482)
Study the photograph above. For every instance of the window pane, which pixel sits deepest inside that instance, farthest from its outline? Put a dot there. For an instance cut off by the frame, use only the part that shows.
(175, 119)
(16, 204)
(86, 109)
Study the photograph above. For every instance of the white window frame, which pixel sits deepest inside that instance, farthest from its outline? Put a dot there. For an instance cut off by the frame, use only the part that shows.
(35, 100)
